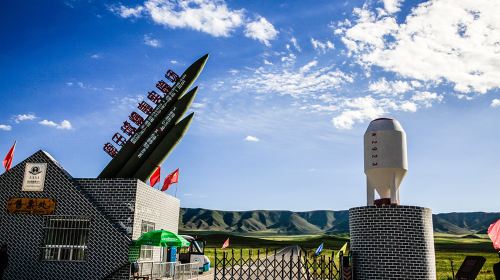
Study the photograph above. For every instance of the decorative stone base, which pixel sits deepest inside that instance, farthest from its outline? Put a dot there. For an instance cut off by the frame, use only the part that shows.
(392, 242)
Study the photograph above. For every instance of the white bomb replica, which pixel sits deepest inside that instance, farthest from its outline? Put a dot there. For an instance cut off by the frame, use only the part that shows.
(386, 161)
(389, 240)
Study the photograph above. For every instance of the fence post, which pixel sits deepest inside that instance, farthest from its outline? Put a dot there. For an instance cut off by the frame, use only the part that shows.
(274, 264)
(258, 263)
(298, 265)
(223, 264)
(306, 263)
(323, 267)
(291, 268)
(215, 263)
(249, 263)
(232, 263)
(282, 267)
(332, 264)
(266, 265)
(241, 262)
(330, 275)
(341, 264)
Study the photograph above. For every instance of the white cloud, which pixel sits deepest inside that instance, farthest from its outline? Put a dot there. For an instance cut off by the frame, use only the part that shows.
(24, 117)
(320, 46)
(439, 41)
(323, 108)
(152, 42)
(251, 138)
(426, 98)
(174, 61)
(392, 6)
(126, 12)
(287, 79)
(85, 86)
(308, 66)
(65, 124)
(95, 56)
(127, 103)
(212, 17)
(5, 127)
(261, 30)
(288, 59)
(409, 106)
(382, 86)
(495, 103)
(295, 44)
(358, 110)
(267, 62)
(48, 123)
(197, 105)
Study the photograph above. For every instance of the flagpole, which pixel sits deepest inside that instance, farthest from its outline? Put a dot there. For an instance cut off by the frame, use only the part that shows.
(176, 190)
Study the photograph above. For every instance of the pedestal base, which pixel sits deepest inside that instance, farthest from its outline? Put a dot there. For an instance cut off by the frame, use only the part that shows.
(392, 242)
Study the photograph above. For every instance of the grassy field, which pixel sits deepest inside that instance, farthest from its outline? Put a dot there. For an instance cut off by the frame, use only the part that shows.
(448, 248)
(456, 248)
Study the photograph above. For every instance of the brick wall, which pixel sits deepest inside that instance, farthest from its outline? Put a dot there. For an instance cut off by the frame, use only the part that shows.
(113, 197)
(23, 233)
(393, 242)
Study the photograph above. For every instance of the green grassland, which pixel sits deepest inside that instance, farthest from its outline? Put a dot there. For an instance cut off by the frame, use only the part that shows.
(449, 248)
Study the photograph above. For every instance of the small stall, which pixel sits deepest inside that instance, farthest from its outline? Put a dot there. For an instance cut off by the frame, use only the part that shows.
(167, 269)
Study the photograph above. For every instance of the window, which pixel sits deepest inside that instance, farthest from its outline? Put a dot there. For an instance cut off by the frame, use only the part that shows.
(146, 250)
(65, 238)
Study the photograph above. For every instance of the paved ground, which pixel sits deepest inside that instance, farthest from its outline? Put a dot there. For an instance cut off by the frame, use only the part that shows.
(207, 276)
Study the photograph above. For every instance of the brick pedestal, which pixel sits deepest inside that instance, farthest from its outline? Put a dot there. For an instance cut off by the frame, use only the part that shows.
(392, 242)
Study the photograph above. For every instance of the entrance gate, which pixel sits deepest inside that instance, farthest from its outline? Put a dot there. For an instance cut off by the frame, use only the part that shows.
(290, 263)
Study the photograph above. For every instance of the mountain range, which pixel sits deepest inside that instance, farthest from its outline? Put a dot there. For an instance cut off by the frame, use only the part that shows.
(312, 222)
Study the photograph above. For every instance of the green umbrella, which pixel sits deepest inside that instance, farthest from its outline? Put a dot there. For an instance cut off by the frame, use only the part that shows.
(162, 238)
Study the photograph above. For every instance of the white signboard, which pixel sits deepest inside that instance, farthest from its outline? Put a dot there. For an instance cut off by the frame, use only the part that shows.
(34, 177)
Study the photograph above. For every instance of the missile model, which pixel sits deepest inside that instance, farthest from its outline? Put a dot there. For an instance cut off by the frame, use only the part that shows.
(163, 149)
(162, 129)
(153, 121)
(386, 161)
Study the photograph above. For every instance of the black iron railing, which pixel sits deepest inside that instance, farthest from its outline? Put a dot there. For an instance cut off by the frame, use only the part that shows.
(290, 263)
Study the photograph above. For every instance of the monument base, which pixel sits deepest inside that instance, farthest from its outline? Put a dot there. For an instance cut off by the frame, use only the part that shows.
(392, 242)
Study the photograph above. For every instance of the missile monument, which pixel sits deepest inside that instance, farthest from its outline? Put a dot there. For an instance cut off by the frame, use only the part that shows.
(155, 134)
(389, 240)
(386, 163)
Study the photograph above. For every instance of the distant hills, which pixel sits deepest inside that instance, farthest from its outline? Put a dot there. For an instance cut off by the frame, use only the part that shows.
(312, 222)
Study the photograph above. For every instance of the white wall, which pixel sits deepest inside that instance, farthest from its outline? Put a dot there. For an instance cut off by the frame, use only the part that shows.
(156, 207)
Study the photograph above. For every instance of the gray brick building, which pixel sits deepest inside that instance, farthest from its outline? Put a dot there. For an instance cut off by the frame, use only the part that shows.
(392, 242)
(89, 233)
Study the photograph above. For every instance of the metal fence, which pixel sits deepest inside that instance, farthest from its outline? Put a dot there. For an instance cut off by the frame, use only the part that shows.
(168, 270)
(290, 263)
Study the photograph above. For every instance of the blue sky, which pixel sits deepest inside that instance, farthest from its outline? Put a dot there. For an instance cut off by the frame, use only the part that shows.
(284, 100)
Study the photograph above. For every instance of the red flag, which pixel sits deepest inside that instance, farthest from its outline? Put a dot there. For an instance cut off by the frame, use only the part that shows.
(155, 178)
(7, 161)
(172, 178)
(494, 234)
(226, 244)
